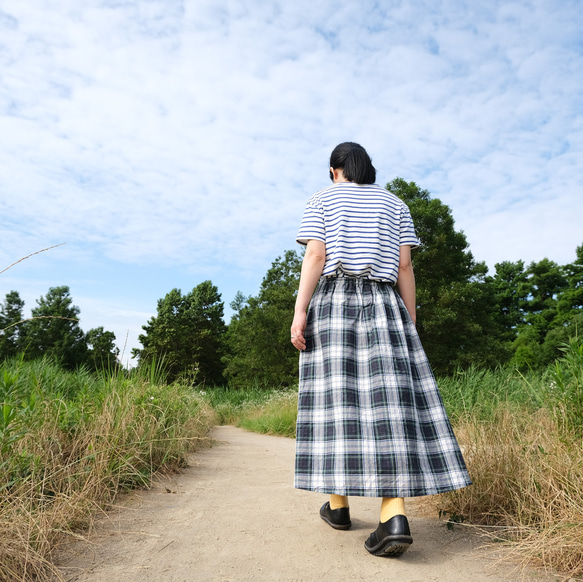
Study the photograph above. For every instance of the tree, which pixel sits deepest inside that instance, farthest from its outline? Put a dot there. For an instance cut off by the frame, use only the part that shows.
(102, 351)
(54, 330)
(553, 312)
(568, 322)
(456, 309)
(570, 301)
(510, 289)
(11, 336)
(187, 335)
(547, 281)
(258, 341)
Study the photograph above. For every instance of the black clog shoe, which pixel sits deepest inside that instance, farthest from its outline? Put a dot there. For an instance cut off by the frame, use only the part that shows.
(391, 538)
(336, 518)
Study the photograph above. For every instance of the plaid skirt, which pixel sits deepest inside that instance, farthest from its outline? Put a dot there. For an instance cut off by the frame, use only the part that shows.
(371, 421)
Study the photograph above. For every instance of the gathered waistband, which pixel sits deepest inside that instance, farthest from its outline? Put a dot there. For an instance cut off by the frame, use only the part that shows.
(356, 279)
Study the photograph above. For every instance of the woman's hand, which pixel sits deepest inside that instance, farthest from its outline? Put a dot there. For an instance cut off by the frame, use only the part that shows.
(297, 331)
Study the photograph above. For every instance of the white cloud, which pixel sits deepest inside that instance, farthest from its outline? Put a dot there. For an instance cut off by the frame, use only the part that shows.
(189, 135)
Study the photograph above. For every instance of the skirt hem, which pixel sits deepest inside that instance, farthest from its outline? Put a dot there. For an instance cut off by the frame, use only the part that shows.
(382, 492)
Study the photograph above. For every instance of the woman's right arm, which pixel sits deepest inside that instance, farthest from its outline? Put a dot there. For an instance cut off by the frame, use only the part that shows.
(406, 281)
(312, 268)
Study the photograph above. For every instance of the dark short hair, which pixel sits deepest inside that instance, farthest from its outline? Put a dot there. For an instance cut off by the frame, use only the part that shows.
(355, 163)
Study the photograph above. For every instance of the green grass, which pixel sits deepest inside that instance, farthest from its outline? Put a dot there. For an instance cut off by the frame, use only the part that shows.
(265, 411)
(479, 393)
(276, 416)
(70, 442)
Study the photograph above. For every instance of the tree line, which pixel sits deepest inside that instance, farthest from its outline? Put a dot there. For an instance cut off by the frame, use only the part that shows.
(53, 331)
(520, 316)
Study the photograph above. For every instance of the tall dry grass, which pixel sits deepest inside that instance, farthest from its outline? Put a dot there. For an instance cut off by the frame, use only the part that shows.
(63, 459)
(526, 463)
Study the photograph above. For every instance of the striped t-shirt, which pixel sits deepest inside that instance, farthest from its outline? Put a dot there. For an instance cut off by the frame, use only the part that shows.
(363, 226)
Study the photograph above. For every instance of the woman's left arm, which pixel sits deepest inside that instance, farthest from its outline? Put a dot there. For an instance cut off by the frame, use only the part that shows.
(312, 267)
(406, 281)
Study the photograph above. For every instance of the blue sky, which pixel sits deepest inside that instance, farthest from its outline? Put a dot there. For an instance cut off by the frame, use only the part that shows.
(167, 142)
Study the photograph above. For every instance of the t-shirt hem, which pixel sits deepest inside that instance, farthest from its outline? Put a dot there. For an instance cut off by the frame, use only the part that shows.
(304, 240)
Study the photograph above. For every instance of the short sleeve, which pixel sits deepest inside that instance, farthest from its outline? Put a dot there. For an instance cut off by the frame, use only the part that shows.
(312, 225)
(407, 234)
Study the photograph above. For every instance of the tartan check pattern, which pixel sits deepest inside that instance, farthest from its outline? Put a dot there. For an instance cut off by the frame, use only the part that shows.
(371, 421)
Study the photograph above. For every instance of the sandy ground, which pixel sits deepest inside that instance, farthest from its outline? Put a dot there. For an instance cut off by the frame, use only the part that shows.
(234, 515)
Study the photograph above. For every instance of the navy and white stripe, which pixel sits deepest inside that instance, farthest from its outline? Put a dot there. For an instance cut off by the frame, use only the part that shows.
(363, 227)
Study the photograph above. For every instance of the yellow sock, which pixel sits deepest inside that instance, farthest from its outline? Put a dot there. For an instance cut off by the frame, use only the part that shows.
(392, 506)
(338, 501)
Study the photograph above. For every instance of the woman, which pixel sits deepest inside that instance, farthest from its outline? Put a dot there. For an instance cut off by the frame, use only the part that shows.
(371, 421)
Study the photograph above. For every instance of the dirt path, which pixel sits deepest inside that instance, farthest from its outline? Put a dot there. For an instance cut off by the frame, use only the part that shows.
(233, 515)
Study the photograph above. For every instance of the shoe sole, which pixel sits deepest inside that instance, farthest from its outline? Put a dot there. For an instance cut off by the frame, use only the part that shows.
(391, 546)
(336, 525)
